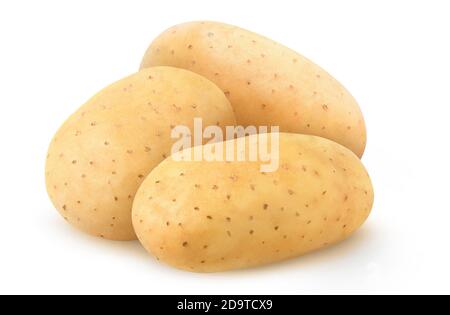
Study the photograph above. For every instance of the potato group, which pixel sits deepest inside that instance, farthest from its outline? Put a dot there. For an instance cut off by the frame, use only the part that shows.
(267, 83)
(103, 152)
(216, 216)
(112, 169)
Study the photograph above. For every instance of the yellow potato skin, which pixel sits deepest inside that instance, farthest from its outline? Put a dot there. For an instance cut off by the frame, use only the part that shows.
(103, 152)
(267, 83)
(218, 216)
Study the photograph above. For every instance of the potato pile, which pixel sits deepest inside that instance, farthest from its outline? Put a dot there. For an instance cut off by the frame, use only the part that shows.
(110, 172)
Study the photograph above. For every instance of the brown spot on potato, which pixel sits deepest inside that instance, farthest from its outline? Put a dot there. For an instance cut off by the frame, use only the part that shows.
(234, 178)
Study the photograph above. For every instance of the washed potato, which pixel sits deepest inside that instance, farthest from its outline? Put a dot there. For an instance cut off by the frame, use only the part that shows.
(102, 153)
(267, 83)
(216, 216)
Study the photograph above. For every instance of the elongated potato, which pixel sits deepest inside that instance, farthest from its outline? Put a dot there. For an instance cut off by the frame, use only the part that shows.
(102, 153)
(216, 216)
(267, 83)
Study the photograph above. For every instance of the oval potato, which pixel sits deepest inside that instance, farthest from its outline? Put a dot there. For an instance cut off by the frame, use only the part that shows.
(267, 83)
(103, 152)
(216, 216)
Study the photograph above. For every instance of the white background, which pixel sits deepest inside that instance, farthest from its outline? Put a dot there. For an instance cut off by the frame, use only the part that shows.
(394, 56)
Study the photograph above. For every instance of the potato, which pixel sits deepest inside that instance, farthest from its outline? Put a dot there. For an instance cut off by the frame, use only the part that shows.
(103, 152)
(217, 216)
(267, 83)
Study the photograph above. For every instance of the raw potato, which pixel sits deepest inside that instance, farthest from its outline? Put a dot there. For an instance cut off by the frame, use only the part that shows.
(103, 152)
(216, 216)
(267, 83)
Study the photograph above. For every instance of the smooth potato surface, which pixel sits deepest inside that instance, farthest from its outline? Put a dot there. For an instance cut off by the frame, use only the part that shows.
(267, 83)
(103, 152)
(216, 216)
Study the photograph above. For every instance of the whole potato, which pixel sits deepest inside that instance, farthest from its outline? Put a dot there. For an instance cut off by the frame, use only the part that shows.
(103, 152)
(216, 216)
(267, 83)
